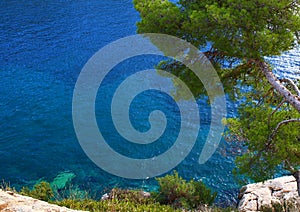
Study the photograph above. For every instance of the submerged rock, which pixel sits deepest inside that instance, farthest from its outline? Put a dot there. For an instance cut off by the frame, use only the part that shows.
(62, 179)
(279, 194)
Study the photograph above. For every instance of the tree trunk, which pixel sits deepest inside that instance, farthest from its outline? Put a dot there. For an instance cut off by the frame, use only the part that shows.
(294, 100)
(297, 176)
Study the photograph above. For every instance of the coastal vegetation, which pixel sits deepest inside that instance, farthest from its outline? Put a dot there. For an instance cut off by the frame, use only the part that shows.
(174, 194)
(239, 36)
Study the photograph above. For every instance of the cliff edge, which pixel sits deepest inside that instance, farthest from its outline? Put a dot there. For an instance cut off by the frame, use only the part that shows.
(12, 202)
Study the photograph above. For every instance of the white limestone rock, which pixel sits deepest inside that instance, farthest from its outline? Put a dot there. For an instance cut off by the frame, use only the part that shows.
(278, 191)
(12, 202)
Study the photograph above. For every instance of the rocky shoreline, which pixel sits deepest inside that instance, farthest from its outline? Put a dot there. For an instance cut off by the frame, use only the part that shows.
(279, 194)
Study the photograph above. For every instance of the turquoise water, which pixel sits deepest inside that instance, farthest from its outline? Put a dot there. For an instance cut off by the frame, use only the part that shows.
(43, 47)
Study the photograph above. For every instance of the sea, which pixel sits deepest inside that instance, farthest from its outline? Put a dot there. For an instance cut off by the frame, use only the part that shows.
(44, 46)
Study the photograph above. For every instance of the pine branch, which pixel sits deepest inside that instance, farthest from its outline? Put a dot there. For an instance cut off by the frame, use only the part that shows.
(294, 100)
(274, 132)
(274, 111)
(292, 83)
(280, 124)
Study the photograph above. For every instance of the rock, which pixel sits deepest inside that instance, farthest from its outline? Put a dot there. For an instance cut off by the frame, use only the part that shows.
(248, 202)
(105, 196)
(278, 192)
(267, 200)
(117, 193)
(274, 185)
(146, 194)
(3, 205)
(12, 202)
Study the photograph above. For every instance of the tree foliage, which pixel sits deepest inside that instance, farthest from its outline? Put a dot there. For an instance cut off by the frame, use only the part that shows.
(269, 127)
(237, 29)
(240, 34)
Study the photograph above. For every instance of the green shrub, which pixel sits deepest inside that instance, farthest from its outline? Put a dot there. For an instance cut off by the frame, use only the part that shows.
(176, 191)
(172, 189)
(42, 191)
(201, 195)
(119, 200)
(135, 196)
(114, 205)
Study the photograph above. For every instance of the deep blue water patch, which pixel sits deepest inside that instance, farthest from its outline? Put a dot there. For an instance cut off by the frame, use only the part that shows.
(139, 111)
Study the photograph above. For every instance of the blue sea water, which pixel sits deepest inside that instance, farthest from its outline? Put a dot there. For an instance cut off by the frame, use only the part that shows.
(43, 47)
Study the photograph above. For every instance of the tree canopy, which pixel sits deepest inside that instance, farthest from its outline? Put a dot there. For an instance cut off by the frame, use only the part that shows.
(240, 34)
(239, 29)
